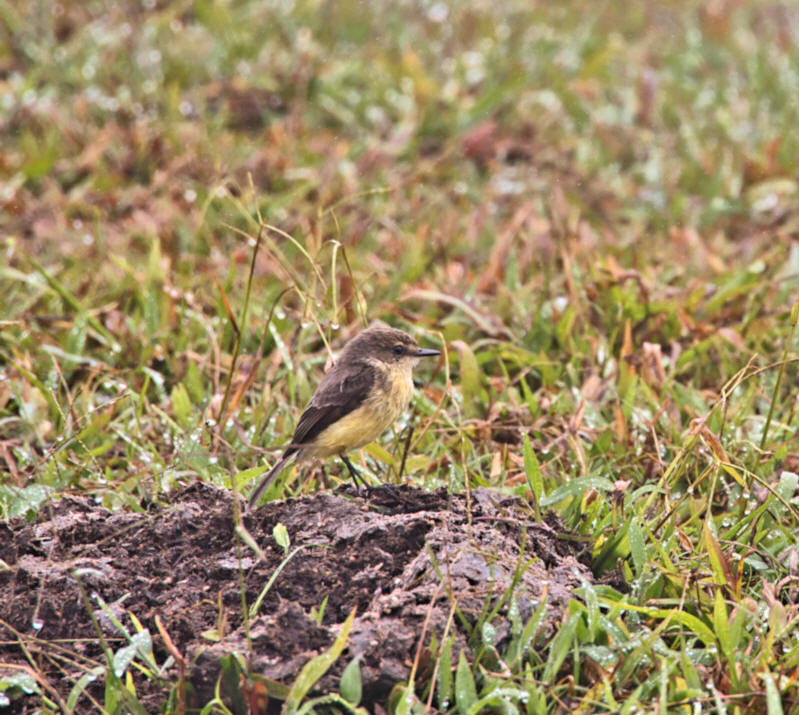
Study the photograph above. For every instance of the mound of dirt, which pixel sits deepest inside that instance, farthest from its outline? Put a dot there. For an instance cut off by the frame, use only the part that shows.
(403, 558)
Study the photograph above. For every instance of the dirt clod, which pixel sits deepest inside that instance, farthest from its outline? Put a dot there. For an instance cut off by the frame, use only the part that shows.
(402, 557)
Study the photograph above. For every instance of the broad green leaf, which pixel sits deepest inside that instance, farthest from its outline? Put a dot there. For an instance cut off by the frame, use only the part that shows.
(529, 398)
(140, 643)
(721, 626)
(25, 682)
(786, 488)
(232, 669)
(592, 610)
(773, 699)
(564, 327)
(155, 267)
(738, 626)
(248, 475)
(82, 683)
(318, 666)
(194, 382)
(351, 681)
(687, 620)
(616, 546)
(536, 695)
(281, 536)
(416, 463)
(533, 470)
(689, 669)
(181, 405)
(469, 375)
(445, 675)
(380, 454)
(637, 548)
(576, 488)
(404, 700)
(465, 689)
(119, 698)
(530, 630)
(718, 561)
(318, 614)
(501, 698)
(28, 498)
(75, 343)
(559, 647)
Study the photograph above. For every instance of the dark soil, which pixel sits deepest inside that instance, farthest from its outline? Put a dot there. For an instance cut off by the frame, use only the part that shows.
(182, 563)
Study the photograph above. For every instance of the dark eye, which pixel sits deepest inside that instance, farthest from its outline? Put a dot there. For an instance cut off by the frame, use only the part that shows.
(399, 349)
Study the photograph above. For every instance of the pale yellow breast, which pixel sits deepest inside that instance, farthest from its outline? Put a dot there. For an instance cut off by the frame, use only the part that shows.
(366, 423)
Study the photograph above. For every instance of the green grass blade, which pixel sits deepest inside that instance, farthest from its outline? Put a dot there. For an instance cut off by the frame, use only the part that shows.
(317, 667)
(465, 689)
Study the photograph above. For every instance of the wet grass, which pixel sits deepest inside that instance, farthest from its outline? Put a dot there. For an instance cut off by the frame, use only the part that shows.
(592, 211)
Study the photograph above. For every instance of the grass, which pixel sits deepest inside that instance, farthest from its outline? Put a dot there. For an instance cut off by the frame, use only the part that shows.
(594, 209)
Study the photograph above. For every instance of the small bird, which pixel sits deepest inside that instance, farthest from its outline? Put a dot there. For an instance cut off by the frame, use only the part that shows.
(356, 401)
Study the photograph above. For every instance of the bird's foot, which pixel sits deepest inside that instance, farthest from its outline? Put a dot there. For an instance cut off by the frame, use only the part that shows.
(377, 489)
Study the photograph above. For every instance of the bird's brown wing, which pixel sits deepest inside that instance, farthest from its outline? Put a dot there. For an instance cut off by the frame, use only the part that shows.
(341, 391)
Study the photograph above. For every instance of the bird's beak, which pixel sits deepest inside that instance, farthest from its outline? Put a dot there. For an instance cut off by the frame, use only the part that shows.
(422, 352)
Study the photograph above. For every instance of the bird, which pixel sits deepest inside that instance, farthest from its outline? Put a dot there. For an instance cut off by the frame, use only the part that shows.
(364, 393)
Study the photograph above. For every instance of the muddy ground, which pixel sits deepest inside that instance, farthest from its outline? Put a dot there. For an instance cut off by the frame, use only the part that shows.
(182, 563)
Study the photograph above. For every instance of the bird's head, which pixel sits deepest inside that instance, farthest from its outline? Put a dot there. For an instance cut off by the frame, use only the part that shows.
(388, 345)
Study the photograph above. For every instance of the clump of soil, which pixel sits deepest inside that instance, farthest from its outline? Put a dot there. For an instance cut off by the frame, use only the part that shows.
(401, 556)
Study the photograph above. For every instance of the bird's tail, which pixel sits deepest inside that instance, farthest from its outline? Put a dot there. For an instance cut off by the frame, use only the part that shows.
(267, 479)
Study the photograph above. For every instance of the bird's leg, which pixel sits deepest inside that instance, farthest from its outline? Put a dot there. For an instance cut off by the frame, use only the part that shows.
(357, 478)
